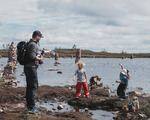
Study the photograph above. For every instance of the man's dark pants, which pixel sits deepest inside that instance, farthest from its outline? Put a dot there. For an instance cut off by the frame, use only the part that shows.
(32, 86)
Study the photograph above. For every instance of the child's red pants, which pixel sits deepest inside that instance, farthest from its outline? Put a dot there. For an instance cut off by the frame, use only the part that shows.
(78, 88)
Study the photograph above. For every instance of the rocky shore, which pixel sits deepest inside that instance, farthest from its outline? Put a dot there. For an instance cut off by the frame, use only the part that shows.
(12, 104)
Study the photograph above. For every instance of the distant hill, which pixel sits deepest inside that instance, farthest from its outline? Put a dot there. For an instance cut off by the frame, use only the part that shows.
(89, 54)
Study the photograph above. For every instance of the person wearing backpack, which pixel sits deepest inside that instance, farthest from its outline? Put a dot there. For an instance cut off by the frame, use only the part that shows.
(30, 69)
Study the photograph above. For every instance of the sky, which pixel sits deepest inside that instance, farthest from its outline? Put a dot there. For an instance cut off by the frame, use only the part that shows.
(113, 25)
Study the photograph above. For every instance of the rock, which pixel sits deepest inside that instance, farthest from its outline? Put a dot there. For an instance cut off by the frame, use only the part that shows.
(86, 109)
(60, 107)
(142, 116)
(50, 112)
(116, 112)
(129, 115)
(1, 110)
(52, 69)
(95, 80)
(91, 113)
(54, 109)
(56, 99)
(70, 88)
(106, 87)
(59, 72)
(22, 74)
(139, 88)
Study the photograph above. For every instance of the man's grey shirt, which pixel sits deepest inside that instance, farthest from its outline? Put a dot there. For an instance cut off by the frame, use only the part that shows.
(32, 53)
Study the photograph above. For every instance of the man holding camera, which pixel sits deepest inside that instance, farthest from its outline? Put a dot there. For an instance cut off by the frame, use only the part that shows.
(30, 70)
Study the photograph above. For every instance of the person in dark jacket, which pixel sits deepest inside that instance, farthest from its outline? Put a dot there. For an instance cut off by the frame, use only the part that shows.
(30, 70)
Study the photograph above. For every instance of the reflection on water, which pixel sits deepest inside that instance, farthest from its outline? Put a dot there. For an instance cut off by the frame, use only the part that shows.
(97, 114)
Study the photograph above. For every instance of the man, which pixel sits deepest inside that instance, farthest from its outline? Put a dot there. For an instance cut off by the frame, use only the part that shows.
(30, 70)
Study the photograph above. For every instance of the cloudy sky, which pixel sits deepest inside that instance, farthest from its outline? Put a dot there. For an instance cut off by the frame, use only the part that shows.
(114, 25)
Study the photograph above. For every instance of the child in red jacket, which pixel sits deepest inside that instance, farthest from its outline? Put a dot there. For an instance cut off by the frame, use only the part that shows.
(81, 80)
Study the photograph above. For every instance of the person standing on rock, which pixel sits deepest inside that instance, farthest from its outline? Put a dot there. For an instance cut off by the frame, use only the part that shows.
(81, 80)
(30, 70)
(124, 77)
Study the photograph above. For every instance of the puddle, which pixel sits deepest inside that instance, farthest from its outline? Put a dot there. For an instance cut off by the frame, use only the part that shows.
(97, 114)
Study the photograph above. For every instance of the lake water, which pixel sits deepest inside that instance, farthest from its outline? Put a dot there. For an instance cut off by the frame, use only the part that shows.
(97, 114)
(107, 68)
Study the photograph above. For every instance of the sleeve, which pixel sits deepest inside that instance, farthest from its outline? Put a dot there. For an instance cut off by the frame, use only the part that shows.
(32, 51)
(76, 71)
(84, 72)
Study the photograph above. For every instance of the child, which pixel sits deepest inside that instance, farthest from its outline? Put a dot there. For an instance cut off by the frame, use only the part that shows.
(124, 76)
(128, 75)
(81, 80)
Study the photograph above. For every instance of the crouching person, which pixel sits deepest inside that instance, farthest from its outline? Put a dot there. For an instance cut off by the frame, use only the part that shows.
(81, 80)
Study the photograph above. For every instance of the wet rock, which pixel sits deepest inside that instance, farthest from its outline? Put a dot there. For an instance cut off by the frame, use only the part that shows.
(139, 88)
(69, 88)
(53, 69)
(49, 112)
(60, 107)
(86, 109)
(53, 109)
(115, 112)
(135, 93)
(55, 99)
(142, 116)
(106, 87)
(91, 113)
(60, 72)
(22, 74)
(100, 92)
(1, 110)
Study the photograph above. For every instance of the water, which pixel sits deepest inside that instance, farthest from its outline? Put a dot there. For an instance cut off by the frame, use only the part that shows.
(107, 68)
(97, 114)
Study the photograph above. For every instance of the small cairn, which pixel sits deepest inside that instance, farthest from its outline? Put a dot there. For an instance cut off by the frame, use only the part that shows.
(56, 56)
(78, 55)
(96, 81)
(10, 68)
(56, 59)
(131, 57)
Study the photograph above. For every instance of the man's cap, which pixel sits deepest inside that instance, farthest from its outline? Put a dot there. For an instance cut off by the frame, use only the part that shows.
(37, 32)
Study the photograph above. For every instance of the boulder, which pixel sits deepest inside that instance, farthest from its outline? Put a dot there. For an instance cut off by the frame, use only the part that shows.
(60, 107)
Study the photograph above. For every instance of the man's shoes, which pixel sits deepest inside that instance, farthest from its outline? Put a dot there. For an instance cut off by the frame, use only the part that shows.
(34, 111)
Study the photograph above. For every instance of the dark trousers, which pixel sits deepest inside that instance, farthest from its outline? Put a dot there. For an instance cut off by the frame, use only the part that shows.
(121, 90)
(32, 86)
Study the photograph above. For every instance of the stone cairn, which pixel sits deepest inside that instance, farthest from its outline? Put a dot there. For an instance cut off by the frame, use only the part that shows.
(78, 55)
(95, 81)
(10, 68)
(56, 59)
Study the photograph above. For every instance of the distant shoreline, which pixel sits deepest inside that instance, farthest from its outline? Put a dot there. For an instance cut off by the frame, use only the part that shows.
(70, 53)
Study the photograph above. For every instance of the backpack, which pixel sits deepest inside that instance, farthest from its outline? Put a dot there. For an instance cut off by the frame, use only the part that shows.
(22, 56)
